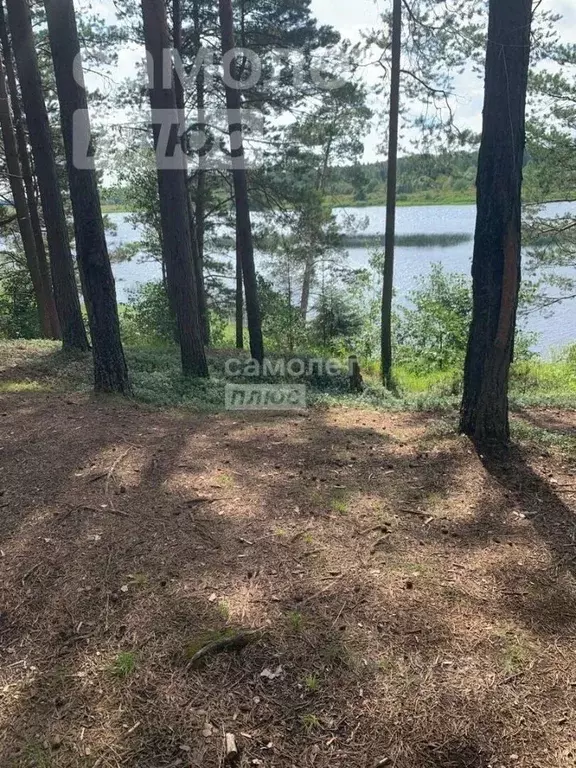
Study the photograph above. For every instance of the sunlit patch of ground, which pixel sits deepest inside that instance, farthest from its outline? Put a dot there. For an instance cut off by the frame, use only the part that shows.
(417, 606)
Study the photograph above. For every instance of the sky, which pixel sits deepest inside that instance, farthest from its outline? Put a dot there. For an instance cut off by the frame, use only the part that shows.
(350, 17)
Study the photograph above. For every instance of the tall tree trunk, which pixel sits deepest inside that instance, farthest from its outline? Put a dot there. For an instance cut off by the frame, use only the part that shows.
(21, 207)
(180, 104)
(306, 286)
(201, 176)
(63, 278)
(245, 244)
(309, 266)
(239, 300)
(173, 192)
(390, 235)
(28, 179)
(200, 214)
(497, 254)
(110, 371)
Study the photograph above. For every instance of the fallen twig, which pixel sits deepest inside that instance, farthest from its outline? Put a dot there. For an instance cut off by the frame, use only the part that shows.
(324, 589)
(416, 512)
(340, 612)
(511, 678)
(99, 476)
(111, 472)
(201, 500)
(233, 643)
(30, 572)
(372, 529)
(104, 508)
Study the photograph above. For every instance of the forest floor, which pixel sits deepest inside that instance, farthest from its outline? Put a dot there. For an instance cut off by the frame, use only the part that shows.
(417, 603)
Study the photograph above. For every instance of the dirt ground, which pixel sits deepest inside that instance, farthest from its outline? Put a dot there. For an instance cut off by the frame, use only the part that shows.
(417, 605)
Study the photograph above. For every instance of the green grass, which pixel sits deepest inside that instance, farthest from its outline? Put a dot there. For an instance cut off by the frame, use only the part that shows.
(124, 664)
(209, 636)
(37, 756)
(340, 503)
(115, 208)
(310, 722)
(40, 366)
(312, 683)
(378, 199)
(296, 620)
(7, 387)
(526, 432)
(430, 197)
(224, 610)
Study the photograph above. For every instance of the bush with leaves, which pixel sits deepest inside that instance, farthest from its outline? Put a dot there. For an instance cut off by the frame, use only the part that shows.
(432, 333)
(147, 318)
(18, 311)
(147, 321)
(282, 324)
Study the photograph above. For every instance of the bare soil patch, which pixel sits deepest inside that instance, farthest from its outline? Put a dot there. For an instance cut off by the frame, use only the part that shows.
(417, 606)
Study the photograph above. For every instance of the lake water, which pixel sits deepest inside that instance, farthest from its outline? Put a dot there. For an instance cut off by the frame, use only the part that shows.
(555, 330)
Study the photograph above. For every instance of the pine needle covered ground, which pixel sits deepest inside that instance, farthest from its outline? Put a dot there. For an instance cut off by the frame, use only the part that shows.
(416, 606)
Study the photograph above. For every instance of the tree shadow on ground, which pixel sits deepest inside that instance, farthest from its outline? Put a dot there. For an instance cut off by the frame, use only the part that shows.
(551, 420)
(144, 533)
(525, 535)
(550, 516)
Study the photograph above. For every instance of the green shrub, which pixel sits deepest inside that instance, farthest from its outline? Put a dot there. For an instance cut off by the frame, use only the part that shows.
(18, 312)
(147, 318)
(432, 334)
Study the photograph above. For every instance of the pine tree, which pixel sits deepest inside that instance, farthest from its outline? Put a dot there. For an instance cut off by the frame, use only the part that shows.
(49, 308)
(175, 221)
(63, 277)
(21, 207)
(497, 245)
(196, 255)
(390, 235)
(110, 371)
(245, 245)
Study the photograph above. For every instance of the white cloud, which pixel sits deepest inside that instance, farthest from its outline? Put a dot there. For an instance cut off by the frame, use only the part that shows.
(351, 18)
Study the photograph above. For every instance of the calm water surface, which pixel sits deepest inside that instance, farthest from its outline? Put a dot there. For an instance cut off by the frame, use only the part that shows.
(555, 330)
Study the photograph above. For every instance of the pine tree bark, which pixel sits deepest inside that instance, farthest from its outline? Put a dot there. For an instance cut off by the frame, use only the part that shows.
(110, 371)
(201, 175)
(239, 300)
(497, 247)
(200, 207)
(180, 104)
(21, 206)
(390, 235)
(310, 263)
(28, 180)
(306, 287)
(177, 241)
(245, 243)
(63, 278)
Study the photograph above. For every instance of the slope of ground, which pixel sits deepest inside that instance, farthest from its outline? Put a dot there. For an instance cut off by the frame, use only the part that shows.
(417, 605)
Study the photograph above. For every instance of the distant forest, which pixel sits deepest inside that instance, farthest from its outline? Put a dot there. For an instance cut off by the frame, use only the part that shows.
(447, 178)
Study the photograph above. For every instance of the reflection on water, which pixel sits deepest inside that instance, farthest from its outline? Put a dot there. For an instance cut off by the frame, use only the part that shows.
(555, 330)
